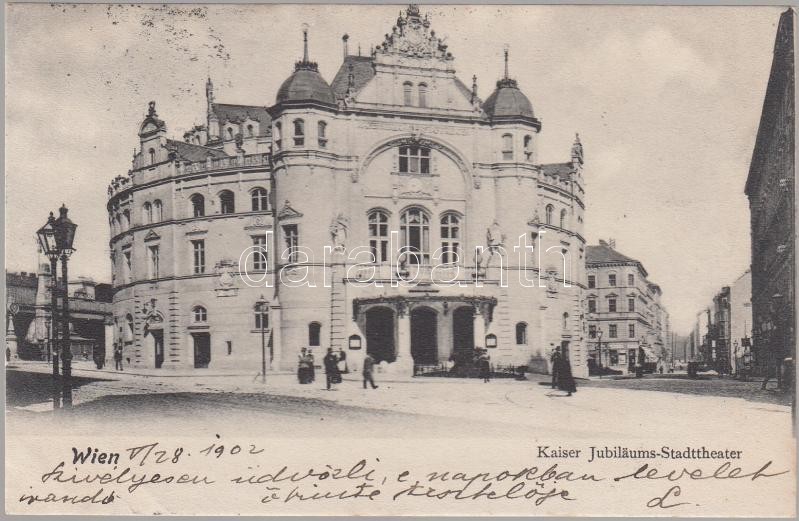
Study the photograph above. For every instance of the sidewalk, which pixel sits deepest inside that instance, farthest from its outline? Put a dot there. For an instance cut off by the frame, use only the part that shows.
(90, 368)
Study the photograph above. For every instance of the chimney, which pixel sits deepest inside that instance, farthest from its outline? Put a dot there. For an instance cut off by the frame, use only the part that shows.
(612, 243)
(344, 39)
(602, 242)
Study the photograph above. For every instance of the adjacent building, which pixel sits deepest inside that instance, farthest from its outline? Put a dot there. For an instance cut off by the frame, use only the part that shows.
(740, 321)
(770, 189)
(623, 310)
(392, 211)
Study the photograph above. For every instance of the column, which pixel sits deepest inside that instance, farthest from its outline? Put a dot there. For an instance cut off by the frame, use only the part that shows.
(404, 361)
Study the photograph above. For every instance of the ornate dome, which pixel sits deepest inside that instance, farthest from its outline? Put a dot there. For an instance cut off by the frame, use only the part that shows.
(306, 84)
(508, 100)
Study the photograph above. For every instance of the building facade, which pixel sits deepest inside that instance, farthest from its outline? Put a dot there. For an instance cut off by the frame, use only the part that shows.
(770, 189)
(392, 211)
(741, 321)
(624, 311)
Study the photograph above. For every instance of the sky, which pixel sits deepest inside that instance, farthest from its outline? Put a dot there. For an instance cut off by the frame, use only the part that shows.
(667, 101)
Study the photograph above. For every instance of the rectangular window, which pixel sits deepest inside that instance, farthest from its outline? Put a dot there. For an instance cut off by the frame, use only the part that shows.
(259, 317)
(414, 160)
(631, 330)
(153, 261)
(631, 304)
(591, 306)
(591, 331)
(292, 241)
(614, 357)
(259, 252)
(612, 305)
(631, 280)
(199, 256)
(612, 331)
(612, 280)
(592, 281)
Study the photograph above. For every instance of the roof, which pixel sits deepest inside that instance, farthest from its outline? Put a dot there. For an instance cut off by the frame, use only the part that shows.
(508, 100)
(562, 170)
(362, 72)
(306, 84)
(604, 254)
(240, 113)
(192, 152)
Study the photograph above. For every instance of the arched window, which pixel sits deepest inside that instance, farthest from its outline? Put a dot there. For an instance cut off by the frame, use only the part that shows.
(199, 314)
(528, 148)
(378, 235)
(227, 202)
(565, 321)
(321, 133)
(422, 95)
(299, 132)
(563, 218)
(450, 238)
(197, 205)
(152, 156)
(415, 236)
(249, 131)
(147, 213)
(230, 132)
(507, 147)
(277, 135)
(126, 219)
(314, 330)
(260, 200)
(521, 333)
(128, 328)
(550, 210)
(158, 211)
(407, 96)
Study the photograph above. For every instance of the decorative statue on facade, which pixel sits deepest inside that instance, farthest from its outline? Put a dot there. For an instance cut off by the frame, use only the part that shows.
(338, 232)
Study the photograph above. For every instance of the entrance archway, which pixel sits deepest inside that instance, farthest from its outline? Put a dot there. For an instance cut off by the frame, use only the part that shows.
(154, 342)
(380, 334)
(463, 332)
(424, 336)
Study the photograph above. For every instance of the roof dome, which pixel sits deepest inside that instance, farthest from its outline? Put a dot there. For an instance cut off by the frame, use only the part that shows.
(508, 100)
(306, 84)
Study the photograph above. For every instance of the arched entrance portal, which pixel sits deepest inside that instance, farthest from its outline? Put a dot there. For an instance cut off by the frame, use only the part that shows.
(380, 334)
(463, 331)
(424, 337)
(154, 342)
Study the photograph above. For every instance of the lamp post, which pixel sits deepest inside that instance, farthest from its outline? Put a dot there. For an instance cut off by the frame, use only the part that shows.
(260, 307)
(47, 242)
(65, 236)
(599, 351)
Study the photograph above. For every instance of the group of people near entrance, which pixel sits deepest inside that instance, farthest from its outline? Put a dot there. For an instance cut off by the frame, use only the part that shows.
(335, 364)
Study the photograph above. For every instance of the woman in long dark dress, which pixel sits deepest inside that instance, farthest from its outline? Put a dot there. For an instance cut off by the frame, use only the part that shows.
(565, 378)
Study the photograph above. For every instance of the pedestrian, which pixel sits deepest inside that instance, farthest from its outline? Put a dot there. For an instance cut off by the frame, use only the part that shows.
(331, 368)
(342, 362)
(565, 378)
(485, 367)
(368, 371)
(303, 374)
(118, 358)
(554, 358)
(311, 361)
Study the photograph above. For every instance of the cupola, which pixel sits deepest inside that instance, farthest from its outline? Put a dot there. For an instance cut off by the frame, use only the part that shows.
(508, 101)
(305, 84)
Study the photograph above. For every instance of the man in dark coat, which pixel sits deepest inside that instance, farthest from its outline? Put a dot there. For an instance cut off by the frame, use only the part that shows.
(368, 371)
(555, 360)
(118, 358)
(565, 378)
(331, 367)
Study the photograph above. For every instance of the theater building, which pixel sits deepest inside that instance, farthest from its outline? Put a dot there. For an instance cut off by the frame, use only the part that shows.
(391, 211)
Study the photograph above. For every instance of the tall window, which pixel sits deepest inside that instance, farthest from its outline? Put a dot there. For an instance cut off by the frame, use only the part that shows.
(565, 321)
(612, 305)
(592, 331)
(261, 317)
(378, 236)
(259, 257)
(631, 280)
(260, 200)
(153, 262)
(127, 267)
(152, 156)
(563, 218)
(158, 211)
(249, 131)
(450, 238)
(592, 305)
(321, 134)
(414, 160)
(613, 331)
(278, 132)
(592, 281)
(198, 248)
(422, 95)
(314, 330)
(631, 330)
(507, 147)
(521, 333)
(299, 132)
(631, 304)
(291, 239)
(612, 280)
(200, 314)
(415, 236)
(147, 213)
(126, 219)
(407, 95)
(528, 148)
(197, 205)
(549, 211)
(227, 202)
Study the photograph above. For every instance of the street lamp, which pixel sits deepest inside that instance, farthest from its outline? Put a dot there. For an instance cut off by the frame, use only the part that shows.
(47, 242)
(261, 309)
(64, 238)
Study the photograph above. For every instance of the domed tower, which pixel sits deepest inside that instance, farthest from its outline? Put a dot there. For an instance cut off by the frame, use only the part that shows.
(308, 196)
